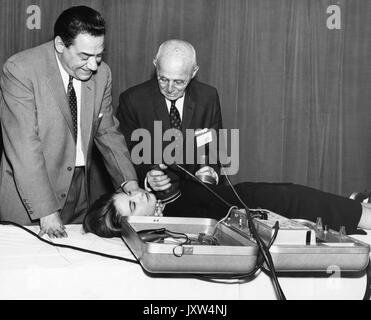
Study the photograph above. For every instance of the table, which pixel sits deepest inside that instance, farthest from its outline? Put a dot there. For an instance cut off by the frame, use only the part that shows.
(32, 269)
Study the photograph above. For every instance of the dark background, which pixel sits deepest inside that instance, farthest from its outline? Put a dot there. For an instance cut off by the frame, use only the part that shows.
(298, 91)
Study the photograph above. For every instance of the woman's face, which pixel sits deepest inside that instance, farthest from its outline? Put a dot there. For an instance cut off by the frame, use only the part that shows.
(135, 204)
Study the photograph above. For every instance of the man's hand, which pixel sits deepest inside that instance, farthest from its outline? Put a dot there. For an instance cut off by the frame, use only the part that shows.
(207, 171)
(52, 226)
(157, 179)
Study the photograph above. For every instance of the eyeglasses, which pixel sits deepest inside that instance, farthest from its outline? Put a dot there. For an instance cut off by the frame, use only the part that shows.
(177, 83)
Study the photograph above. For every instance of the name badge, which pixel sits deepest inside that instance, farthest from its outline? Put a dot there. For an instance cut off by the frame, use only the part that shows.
(203, 136)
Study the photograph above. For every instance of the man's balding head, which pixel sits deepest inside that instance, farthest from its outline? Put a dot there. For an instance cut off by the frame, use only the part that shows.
(176, 65)
(176, 50)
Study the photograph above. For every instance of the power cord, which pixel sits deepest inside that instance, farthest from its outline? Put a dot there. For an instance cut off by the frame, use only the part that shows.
(367, 294)
(263, 249)
(244, 276)
(204, 185)
(68, 246)
(262, 246)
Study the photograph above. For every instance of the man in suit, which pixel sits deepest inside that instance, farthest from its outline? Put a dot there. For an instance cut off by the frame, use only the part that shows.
(56, 103)
(150, 104)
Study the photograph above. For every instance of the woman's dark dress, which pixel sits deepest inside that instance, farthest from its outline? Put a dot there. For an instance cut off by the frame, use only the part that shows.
(287, 199)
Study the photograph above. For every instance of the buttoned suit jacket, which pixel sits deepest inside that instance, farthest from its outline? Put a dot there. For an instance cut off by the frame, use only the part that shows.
(39, 148)
(143, 104)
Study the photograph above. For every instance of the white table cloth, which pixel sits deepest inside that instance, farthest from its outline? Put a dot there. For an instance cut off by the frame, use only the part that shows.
(31, 269)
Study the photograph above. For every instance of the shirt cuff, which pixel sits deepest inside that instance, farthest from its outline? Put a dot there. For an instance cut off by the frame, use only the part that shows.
(146, 186)
(216, 176)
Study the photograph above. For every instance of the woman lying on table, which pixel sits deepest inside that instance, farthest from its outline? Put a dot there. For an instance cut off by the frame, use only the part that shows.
(287, 199)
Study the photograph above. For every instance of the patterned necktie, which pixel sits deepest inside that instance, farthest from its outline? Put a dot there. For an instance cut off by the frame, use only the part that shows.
(175, 121)
(71, 94)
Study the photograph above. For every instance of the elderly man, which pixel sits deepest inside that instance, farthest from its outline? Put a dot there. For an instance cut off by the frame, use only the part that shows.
(56, 102)
(175, 100)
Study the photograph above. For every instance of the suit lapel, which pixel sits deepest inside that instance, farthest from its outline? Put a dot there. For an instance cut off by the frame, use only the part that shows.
(56, 86)
(87, 111)
(162, 113)
(188, 110)
(57, 89)
(160, 110)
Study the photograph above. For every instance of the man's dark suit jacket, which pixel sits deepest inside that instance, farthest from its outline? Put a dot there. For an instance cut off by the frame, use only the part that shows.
(143, 104)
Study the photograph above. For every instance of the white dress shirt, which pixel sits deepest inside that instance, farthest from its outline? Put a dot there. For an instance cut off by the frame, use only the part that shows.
(80, 159)
(178, 104)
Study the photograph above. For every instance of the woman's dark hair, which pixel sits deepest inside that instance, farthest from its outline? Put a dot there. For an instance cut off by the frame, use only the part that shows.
(76, 20)
(103, 218)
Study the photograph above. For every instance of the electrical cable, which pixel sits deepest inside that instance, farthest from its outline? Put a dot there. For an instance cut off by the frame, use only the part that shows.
(68, 246)
(367, 294)
(243, 276)
(265, 251)
(204, 185)
(261, 244)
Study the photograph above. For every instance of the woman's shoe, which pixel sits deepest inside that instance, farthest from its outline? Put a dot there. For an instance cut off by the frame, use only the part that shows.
(364, 196)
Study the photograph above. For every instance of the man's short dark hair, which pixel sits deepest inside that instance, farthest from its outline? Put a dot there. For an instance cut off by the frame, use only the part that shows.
(76, 20)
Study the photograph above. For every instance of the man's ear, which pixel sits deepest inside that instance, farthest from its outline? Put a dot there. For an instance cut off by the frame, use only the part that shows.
(195, 69)
(59, 44)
